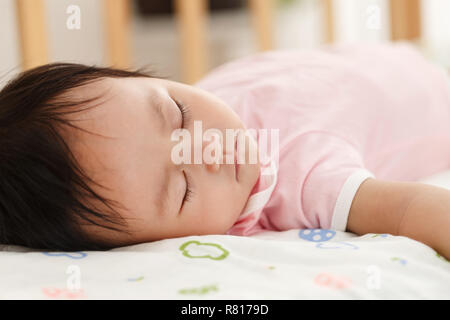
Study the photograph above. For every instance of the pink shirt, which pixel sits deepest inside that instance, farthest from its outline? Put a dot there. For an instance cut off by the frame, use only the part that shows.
(345, 114)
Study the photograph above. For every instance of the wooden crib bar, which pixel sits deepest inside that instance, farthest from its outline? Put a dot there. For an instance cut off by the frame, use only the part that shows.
(192, 26)
(328, 21)
(192, 17)
(262, 16)
(117, 14)
(32, 32)
(405, 19)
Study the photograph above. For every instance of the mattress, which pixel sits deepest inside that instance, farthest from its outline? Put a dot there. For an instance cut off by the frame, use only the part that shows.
(294, 264)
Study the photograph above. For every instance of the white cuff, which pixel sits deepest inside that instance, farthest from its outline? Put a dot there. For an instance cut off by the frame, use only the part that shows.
(345, 199)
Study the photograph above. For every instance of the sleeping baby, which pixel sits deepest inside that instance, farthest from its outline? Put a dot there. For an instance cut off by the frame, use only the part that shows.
(336, 138)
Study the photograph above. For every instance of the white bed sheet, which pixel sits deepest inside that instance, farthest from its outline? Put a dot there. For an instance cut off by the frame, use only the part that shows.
(295, 264)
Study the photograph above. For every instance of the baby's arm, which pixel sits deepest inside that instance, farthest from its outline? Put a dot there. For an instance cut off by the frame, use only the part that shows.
(415, 210)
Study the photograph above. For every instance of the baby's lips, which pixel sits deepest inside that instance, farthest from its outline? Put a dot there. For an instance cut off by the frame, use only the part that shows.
(242, 148)
(228, 156)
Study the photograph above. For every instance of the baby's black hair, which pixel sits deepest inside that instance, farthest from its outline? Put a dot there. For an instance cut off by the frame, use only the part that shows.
(41, 183)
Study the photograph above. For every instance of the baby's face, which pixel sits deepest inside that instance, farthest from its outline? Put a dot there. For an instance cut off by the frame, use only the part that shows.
(136, 164)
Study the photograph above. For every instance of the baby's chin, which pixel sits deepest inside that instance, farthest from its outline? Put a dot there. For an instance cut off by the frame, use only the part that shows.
(252, 178)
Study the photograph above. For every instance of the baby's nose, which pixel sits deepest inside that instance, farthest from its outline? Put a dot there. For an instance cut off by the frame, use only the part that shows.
(212, 155)
(213, 167)
(218, 151)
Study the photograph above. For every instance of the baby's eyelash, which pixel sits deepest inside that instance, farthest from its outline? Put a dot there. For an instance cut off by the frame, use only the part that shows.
(184, 112)
(188, 194)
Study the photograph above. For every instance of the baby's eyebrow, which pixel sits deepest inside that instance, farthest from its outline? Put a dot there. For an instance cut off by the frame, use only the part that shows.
(157, 104)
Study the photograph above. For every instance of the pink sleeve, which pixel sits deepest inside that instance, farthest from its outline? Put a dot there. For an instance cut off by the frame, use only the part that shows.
(337, 171)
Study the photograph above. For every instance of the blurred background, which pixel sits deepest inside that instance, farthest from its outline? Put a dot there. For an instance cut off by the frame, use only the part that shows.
(184, 39)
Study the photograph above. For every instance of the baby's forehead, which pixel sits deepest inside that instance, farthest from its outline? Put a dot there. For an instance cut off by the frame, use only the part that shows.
(112, 127)
(96, 102)
(93, 121)
(89, 90)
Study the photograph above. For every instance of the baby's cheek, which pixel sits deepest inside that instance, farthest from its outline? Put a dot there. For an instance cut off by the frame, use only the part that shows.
(221, 211)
